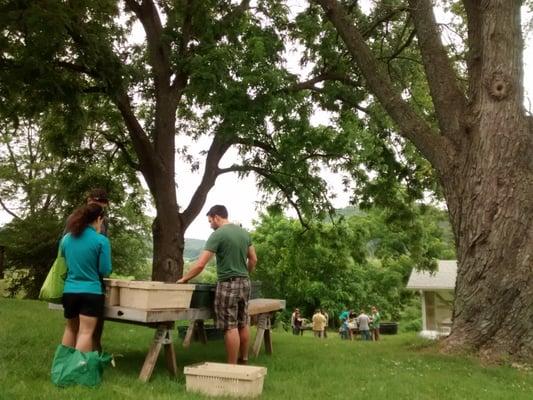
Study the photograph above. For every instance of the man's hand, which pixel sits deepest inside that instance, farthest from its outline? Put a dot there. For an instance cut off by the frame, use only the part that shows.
(204, 258)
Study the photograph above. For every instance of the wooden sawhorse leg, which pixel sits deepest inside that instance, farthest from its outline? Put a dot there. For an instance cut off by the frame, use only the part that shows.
(196, 329)
(162, 337)
(263, 334)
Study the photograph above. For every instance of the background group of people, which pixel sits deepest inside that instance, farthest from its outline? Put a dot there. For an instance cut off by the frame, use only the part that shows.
(366, 325)
(320, 321)
(350, 323)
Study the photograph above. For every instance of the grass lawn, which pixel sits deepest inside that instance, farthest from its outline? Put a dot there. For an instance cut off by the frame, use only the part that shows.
(398, 367)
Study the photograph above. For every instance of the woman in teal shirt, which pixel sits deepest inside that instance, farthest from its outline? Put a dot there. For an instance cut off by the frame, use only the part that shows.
(88, 257)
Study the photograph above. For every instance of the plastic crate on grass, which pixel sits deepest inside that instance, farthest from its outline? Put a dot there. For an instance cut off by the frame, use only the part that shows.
(217, 379)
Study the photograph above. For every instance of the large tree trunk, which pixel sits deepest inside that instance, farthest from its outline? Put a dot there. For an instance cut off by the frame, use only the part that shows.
(2, 248)
(484, 157)
(491, 207)
(490, 198)
(168, 233)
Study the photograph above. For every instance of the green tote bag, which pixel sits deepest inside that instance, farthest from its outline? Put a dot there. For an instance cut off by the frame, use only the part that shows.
(52, 289)
(73, 367)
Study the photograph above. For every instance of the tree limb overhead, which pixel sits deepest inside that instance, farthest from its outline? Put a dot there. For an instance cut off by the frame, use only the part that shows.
(411, 126)
(448, 99)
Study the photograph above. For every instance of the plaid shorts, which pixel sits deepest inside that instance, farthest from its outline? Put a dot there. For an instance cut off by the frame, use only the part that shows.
(231, 303)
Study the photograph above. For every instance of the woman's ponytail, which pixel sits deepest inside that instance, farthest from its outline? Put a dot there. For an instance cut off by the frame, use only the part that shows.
(83, 217)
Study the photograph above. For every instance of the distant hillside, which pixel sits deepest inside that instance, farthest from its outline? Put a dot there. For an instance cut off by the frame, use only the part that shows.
(193, 247)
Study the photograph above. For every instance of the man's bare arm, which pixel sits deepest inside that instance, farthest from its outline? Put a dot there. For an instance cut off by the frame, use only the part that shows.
(252, 258)
(204, 258)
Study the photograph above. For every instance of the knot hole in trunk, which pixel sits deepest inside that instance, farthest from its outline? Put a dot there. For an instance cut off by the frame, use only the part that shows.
(499, 86)
(171, 265)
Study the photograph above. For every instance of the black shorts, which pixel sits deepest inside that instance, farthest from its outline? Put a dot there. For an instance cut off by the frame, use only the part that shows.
(88, 304)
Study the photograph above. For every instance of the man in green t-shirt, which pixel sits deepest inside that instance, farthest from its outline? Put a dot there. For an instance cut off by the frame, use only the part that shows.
(236, 258)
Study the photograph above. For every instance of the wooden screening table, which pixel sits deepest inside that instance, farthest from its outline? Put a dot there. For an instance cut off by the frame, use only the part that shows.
(163, 321)
(260, 310)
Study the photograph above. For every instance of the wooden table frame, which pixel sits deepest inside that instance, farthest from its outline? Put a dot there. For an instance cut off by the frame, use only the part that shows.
(163, 321)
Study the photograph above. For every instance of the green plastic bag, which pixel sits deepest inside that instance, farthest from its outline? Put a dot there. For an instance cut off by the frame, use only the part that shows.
(52, 289)
(73, 367)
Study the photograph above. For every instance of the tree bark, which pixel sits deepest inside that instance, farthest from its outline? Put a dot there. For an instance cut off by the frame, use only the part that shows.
(2, 251)
(487, 176)
(168, 233)
(493, 225)
(490, 198)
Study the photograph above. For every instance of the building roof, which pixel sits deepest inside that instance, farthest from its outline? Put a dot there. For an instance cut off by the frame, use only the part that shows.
(442, 279)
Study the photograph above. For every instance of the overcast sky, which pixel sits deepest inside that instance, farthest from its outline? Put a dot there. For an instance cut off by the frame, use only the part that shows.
(241, 196)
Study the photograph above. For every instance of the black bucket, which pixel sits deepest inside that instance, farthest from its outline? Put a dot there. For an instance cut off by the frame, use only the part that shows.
(388, 328)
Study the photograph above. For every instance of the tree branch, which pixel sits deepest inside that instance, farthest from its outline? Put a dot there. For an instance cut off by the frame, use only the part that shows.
(123, 150)
(332, 76)
(13, 159)
(401, 48)
(180, 80)
(148, 161)
(158, 49)
(215, 153)
(237, 11)
(475, 50)
(7, 210)
(411, 126)
(95, 89)
(344, 99)
(324, 76)
(77, 68)
(448, 99)
(268, 175)
(268, 148)
(385, 18)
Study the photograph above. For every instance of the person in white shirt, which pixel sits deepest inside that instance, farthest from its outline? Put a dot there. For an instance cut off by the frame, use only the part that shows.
(363, 322)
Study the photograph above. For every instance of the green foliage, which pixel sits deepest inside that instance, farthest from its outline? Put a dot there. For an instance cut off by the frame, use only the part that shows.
(208, 275)
(15, 282)
(31, 244)
(40, 188)
(81, 59)
(357, 261)
(381, 168)
(237, 91)
(193, 248)
(411, 316)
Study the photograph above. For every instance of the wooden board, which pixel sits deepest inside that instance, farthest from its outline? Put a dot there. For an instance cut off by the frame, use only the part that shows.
(261, 306)
(118, 313)
(150, 316)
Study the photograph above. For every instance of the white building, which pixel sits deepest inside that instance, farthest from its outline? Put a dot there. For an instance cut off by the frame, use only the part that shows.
(437, 295)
